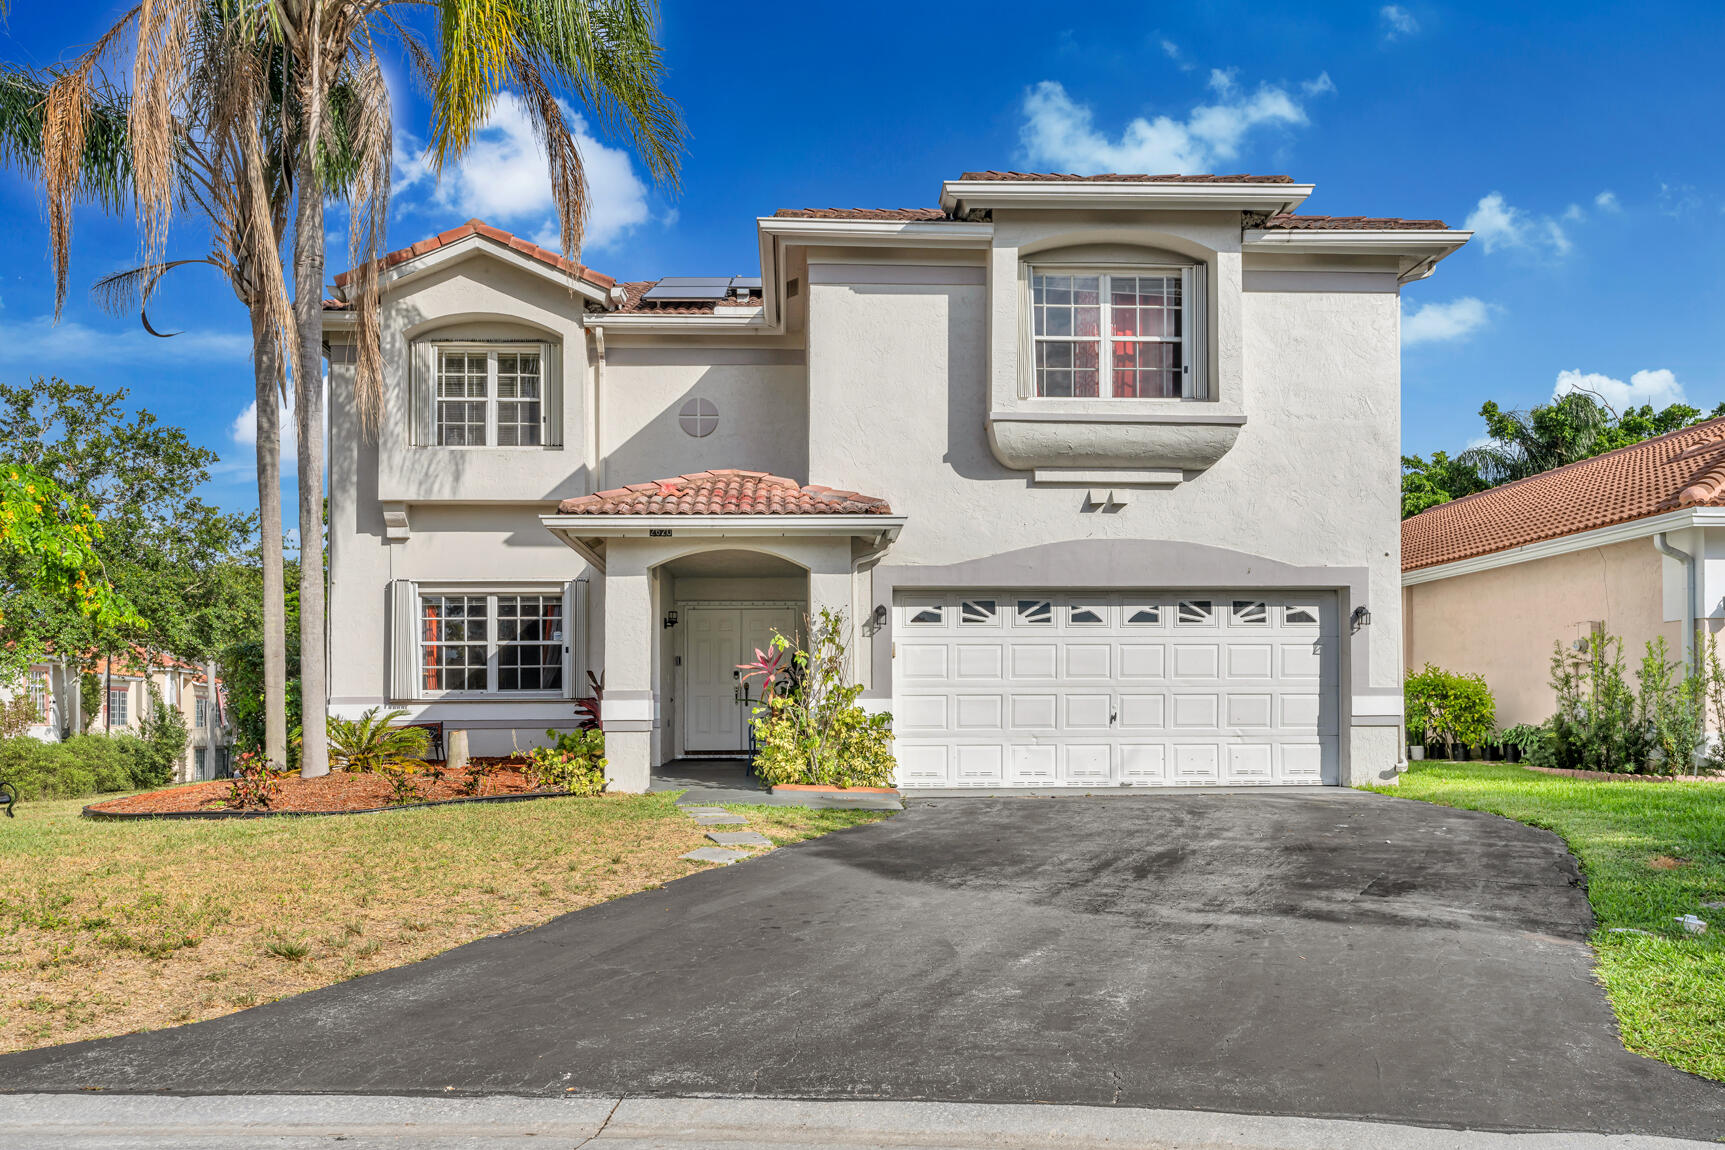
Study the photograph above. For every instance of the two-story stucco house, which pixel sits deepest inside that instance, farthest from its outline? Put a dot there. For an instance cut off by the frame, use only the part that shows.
(1103, 472)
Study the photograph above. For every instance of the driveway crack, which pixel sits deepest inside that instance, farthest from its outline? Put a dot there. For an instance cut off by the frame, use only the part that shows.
(609, 1114)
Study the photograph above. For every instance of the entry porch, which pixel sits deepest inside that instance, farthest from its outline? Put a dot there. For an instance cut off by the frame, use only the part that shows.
(692, 575)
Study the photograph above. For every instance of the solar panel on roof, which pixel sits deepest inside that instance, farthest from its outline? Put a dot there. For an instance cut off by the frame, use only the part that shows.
(689, 288)
(746, 283)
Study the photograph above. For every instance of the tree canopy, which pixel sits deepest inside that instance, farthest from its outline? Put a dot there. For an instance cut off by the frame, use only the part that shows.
(176, 568)
(1572, 427)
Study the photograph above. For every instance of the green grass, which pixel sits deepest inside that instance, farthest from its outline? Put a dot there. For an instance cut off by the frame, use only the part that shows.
(110, 927)
(1651, 852)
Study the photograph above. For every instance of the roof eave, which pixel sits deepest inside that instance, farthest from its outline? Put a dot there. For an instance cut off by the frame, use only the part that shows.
(1641, 527)
(1420, 249)
(754, 322)
(959, 197)
(414, 267)
(774, 232)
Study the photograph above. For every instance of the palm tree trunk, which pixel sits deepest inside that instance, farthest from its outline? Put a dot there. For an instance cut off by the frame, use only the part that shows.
(266, 363)
(308, 407)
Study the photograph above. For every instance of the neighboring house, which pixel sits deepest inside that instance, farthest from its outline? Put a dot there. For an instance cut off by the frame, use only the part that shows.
(124, 699)
(1102, 471)
(1630, 544)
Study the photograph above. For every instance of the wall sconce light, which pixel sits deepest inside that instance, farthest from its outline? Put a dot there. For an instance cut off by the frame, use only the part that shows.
(1361, 618)
(670, 620)
(879, 615)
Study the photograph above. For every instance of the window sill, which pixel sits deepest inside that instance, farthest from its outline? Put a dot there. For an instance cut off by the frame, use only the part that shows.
(1171, 435)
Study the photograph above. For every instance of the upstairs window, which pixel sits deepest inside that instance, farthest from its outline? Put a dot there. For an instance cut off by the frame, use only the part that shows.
(488, 396)
(1114, 335)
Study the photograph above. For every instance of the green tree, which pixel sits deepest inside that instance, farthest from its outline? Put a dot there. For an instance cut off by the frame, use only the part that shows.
(50, 560)
(1575, 426)
(173, 557)
(1427, 483)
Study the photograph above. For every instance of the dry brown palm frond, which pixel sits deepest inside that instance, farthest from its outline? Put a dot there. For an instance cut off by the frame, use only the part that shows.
(64, 121)
(367, 134)
(160, 76)
(568, 174)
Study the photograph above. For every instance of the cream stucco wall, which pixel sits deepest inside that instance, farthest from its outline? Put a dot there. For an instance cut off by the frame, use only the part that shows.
(884, 381)
(1501, 623)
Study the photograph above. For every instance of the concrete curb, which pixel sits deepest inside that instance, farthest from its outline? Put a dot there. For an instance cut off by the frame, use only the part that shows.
(360, 1122)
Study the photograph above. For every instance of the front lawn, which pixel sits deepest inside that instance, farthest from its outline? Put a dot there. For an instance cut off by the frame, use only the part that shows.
(111, 927)
(1651, 852)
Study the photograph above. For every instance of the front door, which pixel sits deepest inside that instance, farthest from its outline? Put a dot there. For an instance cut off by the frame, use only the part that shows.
(716, 706)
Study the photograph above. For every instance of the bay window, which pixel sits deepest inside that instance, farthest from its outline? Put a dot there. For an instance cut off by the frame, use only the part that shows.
(1124, 334)
(502, 643)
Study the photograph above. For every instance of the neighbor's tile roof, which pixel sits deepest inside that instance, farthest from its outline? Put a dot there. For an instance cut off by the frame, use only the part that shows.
(635, 289)
(496, 235)
(726, 492)
(1286, 220)
(1683, 469)
(1130, 178)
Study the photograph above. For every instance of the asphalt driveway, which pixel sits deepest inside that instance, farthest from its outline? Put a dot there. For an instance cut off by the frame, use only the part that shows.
(1327, 954)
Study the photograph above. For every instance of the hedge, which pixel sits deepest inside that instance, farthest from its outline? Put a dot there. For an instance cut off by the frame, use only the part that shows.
(82, 765)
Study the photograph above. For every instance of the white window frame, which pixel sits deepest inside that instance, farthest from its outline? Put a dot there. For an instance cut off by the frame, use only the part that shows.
(125, 696)
(491, 399)
(1190, 339)
(41, 697)
(200, 712)
(490, 592)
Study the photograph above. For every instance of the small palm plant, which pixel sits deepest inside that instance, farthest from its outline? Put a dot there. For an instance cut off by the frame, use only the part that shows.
(373, 744)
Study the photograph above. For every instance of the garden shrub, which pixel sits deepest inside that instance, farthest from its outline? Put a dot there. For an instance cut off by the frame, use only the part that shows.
(166, 738)
(1657, 727)
(82, 765)
(371, 743)
(575, 762)
(811, 730)
(1449, 708)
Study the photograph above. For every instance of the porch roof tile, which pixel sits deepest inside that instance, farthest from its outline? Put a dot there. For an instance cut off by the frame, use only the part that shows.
(727, 491)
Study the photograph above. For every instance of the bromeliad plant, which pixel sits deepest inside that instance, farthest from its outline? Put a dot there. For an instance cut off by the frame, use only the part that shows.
(255, 783)
(810, 729)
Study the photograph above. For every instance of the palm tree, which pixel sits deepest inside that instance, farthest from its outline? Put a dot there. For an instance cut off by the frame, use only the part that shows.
(233, 175)
(1525, 443)
(212, 74)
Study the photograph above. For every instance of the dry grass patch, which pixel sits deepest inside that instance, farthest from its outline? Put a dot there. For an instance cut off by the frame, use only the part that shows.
(107, 928)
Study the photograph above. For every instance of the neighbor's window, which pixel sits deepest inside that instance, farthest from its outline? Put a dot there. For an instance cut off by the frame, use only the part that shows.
(38, 688)
(201, 714)
(1110, 336)
(502, 643)
(489, 396)
(117, 708)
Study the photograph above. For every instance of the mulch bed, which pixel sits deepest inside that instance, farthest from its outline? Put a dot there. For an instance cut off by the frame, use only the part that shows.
(1618, 777)
(335, 793)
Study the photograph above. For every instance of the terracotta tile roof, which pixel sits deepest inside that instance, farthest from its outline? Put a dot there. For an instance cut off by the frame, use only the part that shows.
(635, 289)
(726, 492)
(496, 235)
(1130, 178)
(1683, 469)
(1286, 220)
(912, 214)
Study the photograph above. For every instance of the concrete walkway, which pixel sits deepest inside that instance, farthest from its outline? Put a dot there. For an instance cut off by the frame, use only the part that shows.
(78, 1122)
(708, 782)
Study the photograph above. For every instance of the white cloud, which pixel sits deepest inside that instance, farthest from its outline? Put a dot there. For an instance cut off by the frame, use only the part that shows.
(1397, 21)
(1658, 387)
(244, 433)
(1173, 52)
(1574, 214)
(503, 179)
(40, 342)
(1060, 133)
(1497, 224)
(1437, 322)
(1606, 201)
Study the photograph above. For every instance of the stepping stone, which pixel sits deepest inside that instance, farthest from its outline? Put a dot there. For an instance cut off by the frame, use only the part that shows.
(715, 855)
(740, 838)
(722, 819)
(703, 810)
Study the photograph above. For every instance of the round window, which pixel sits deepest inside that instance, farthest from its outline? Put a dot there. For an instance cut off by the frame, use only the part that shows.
(699, 417)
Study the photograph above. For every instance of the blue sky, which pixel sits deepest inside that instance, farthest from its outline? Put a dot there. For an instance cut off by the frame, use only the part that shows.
(1574, 137)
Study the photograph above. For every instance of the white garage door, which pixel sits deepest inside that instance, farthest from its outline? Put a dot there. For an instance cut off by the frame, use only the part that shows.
(1153, 688)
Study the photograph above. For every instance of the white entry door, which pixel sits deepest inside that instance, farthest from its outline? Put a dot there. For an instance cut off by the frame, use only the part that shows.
(1005, 688)
(716, 714)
